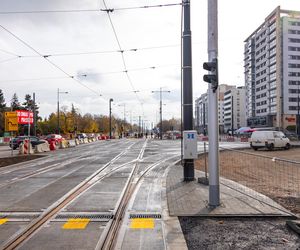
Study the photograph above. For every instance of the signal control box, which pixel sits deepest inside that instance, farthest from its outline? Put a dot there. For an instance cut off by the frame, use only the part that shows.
(190, 144)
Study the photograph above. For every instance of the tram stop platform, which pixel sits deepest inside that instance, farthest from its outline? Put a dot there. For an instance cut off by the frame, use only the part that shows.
(191, 199)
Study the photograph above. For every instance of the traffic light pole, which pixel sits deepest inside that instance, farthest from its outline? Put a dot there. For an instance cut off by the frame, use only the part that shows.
(187, 88)
(213, 128)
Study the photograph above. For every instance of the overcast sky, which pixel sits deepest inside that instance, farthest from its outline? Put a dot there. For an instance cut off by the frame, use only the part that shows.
(154, 32)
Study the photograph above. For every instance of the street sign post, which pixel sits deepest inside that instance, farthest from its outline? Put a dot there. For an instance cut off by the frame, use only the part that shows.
(11, 121)
(11, 124)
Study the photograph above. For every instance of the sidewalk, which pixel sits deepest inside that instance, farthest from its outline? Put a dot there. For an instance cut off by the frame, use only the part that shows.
(191, 199)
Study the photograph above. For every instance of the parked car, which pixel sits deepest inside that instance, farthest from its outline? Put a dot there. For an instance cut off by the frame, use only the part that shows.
(54, 138)
(243, 131)
(81, 136)
(269, 140)
(15, 142)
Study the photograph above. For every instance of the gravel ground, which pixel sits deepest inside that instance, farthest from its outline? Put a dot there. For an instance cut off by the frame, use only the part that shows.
(238, 233)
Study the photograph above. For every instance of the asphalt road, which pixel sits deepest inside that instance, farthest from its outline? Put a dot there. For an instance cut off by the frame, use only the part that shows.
(30, 189)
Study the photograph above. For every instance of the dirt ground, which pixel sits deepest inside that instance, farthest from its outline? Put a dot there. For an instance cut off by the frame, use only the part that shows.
(264, 172)
(6, 161)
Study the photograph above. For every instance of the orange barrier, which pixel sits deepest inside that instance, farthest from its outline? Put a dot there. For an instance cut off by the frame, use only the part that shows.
(244, 139)
(52, 146)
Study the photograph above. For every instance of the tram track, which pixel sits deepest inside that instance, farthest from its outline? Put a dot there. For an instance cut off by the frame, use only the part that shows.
(55, 208)
(109, 237)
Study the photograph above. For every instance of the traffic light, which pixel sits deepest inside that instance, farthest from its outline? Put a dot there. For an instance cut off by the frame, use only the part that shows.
(213, 77)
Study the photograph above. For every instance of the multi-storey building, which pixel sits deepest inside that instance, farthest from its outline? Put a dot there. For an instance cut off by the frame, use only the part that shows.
(234, 109)
(201, 110)
(272, 70)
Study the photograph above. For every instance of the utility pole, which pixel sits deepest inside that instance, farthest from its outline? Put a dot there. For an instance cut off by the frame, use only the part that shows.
(110, 101)
(187, 88)
(139, 126)
(34, 115)
(213, 128)
(58, 92)
(124, 121)
(160, 108)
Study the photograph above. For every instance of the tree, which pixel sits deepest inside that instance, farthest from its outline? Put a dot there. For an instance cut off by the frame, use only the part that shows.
(2, 110)
(2, 101)
(15, 104)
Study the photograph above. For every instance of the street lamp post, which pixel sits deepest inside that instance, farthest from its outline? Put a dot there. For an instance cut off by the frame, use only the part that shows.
(110, 101)
(58, 92)
(160, 108)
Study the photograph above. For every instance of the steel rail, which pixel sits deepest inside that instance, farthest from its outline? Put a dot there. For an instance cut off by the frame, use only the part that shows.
(23, 235)
(110, 234)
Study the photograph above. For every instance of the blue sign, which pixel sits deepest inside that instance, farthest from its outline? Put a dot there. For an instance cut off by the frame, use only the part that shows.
(190, 136)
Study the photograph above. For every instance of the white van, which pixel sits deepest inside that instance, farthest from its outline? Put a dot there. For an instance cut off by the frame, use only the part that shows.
(269, 139)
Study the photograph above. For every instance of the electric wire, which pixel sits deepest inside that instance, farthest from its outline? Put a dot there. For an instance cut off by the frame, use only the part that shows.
(122, 54)
(105, 51)
(87, 74)
(53, 64)
(88, 10)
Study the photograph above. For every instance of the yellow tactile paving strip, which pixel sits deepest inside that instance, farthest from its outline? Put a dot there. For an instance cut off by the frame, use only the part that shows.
(76, 223)
(2, 221)
(142, 223)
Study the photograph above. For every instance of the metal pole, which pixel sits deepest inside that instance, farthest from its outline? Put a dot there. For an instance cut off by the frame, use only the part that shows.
(34, 116)
(213, 128)
(139, 126)
(188, 164)
(204, 118)
(232, 116)
(160, 110)
(110, 100)
(58, 127)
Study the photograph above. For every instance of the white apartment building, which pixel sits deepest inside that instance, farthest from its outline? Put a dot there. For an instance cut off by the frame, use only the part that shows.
(272, 70)
(234, 109)
(201, 113)
(201, 110)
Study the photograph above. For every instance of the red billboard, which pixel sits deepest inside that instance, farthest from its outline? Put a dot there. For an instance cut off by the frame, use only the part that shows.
(24, 117)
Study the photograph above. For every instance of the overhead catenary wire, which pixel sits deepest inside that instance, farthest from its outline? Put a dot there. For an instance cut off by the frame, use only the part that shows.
(88, 74)
(122, 55)
(104, 51)
(53, 64)
(87, 10)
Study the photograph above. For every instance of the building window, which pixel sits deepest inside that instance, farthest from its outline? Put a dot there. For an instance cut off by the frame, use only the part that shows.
(294, 73)
(294, 40)
(292, 48)
(294, 82)
(294, 57)
(294, 65)
(294, 91)
(292, 107)
(294, 23)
